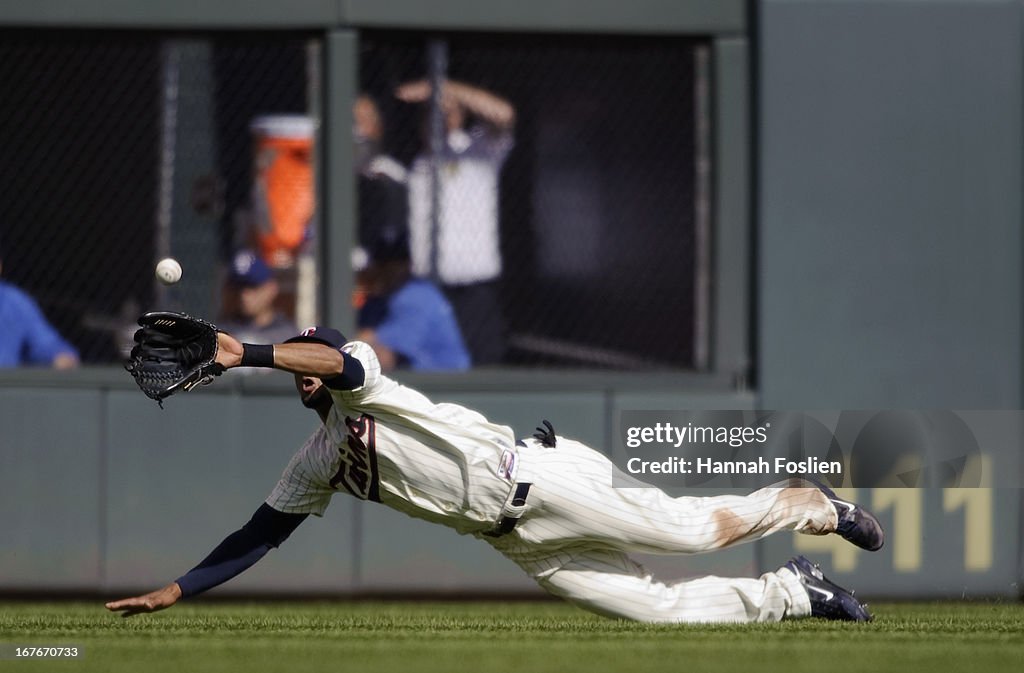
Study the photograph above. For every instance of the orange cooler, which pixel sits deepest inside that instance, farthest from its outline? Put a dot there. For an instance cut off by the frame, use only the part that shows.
(284, 192)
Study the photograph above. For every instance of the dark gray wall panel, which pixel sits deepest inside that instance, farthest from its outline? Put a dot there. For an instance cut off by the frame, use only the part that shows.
(402, 553)
(890, 239)
(51, 488)
(657, 16)
(184, 477)
(181, 13)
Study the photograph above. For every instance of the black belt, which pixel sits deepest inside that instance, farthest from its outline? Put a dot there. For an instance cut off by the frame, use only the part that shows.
(507, 523)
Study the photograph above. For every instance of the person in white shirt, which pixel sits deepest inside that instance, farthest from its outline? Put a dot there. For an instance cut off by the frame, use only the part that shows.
(467, 262)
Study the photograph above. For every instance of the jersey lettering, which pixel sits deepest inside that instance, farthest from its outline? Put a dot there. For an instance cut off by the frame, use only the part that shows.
(357, 473)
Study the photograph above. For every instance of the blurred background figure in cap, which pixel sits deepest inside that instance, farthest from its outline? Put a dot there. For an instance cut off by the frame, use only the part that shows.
(253, 292)
(406, 320)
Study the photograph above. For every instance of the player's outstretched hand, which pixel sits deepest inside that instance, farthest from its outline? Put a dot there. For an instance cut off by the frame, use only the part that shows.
(161, 599)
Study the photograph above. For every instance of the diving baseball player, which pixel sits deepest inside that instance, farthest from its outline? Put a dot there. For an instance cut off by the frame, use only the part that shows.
(547, 503)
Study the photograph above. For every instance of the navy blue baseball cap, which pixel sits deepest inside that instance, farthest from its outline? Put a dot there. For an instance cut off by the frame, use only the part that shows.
(320, 335)
(248, 270)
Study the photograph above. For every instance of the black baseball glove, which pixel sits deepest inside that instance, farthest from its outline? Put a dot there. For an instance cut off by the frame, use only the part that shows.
(173, 352)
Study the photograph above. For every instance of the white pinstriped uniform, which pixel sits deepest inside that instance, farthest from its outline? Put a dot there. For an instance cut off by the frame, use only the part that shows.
(441, 462)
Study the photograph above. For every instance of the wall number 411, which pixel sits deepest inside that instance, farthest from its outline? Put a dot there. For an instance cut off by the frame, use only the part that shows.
(906, 535)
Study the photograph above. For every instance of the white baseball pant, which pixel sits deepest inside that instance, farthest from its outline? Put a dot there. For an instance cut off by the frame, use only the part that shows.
(577, 528)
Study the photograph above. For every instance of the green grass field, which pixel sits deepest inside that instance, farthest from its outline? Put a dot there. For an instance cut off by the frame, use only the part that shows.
(520, 637)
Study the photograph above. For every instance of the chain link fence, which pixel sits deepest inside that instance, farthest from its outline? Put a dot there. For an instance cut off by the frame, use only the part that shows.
(78, 124)
(578, 238)
(124, 147)
(592, 242)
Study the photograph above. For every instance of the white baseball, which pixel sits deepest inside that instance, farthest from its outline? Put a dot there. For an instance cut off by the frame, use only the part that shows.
(168, 271)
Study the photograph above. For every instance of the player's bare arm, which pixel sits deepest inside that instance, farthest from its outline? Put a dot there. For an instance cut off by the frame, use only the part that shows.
(298, 358)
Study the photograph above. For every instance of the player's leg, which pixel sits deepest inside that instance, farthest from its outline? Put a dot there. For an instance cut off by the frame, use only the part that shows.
(612, 584)
(574, 498)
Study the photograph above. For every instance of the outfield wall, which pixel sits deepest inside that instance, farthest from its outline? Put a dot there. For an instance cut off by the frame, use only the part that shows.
(889, 252)
(104, 491)
(887, 231)
(109, 492)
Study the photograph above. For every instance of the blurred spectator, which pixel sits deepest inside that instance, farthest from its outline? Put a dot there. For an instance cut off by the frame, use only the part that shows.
(406, 320)
(255, 318)
(26, 338)
(468, 261)
(383, 198)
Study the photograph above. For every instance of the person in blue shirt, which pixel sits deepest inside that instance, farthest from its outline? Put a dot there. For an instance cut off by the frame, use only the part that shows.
(406, 320)
(26, 338)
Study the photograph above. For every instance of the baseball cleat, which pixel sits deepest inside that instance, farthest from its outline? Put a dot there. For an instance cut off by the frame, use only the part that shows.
(828, 599)
(856, 524)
